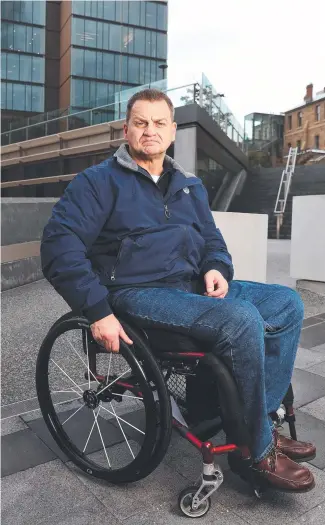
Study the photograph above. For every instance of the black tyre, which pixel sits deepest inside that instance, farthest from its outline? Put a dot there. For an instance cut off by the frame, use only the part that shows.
(185, 500)
(109, 413)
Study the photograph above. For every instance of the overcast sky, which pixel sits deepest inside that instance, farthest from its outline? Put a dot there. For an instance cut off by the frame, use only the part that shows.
(260, 53)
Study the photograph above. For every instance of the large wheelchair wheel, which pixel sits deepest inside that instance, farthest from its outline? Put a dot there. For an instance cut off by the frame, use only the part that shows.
(109, 413)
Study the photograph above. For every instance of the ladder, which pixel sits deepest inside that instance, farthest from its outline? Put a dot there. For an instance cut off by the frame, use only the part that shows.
(284, 188)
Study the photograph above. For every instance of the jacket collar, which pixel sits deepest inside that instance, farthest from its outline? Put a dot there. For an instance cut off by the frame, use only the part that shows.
(124, 158)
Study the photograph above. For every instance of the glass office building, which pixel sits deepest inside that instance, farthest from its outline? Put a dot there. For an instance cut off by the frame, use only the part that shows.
(73, 55)
(115, 46)
(22, 57)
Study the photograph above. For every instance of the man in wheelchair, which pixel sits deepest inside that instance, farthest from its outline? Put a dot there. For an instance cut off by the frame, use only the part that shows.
(135, 235)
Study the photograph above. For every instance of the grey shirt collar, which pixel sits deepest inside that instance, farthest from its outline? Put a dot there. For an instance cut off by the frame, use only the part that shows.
(124, 159)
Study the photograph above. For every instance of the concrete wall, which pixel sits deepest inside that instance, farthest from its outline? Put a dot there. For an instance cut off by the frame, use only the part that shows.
(308, 238)
(246, 238)
(22, 223)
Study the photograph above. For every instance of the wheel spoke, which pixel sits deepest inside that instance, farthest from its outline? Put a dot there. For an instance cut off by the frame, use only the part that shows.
(110, 384)
(90, 433)
(82, 406)
(119, 424)
(101, 437)
(126, 395)
(124, 420)
(67, 401)
(72, 381)
(83, 362)
(63, 391)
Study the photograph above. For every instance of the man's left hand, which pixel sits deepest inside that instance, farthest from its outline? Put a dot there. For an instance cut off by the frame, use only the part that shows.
(215, 284)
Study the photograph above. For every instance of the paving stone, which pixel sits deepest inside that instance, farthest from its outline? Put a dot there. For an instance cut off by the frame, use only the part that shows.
(310, 429)
(41, 492)
(84, 514)
(12, 424)
(307, 386)
(23, 450)
(319, 349)
(160, 487)
(78, 432)
(313, 336)
(307, 358)
(171, 515)
(318, 369)
(316, 409)
(236, 496)
(312, 320)
(315, 516)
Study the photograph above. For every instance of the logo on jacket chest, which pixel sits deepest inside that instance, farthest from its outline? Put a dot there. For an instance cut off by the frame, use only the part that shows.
(186, 190)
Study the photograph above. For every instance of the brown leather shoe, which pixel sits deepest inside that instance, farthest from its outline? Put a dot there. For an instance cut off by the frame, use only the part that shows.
(296, 450)
(281, 473)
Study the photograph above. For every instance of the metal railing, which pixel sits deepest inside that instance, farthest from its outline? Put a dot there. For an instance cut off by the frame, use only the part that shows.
(202, 93)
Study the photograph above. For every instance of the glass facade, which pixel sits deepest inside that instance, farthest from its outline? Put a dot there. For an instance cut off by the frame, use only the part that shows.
(138, 13)
(114, 67)
(22, 97)
(29, 12)
(25, 68)
(18, 37)
(22, 57)
(116, 45)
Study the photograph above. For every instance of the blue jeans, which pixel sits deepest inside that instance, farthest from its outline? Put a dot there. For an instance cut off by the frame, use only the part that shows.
(255, 328)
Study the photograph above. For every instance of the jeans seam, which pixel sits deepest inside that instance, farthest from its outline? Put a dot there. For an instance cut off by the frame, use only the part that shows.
(275, 330)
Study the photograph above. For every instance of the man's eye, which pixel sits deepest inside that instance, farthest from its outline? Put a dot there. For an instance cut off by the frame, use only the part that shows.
(161, 124)
(140, 124)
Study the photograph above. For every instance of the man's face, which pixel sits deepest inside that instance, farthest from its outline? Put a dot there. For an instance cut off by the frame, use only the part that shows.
(150, 129)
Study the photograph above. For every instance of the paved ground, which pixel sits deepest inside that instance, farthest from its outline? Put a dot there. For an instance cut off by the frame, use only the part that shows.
(39, 488)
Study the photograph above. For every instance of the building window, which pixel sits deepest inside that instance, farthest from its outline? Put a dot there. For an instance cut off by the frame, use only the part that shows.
(317, 112)
(299, 119)
(30, 12)
(22, 97)
(25, 68)
(316, 141)
(299, 145)
(289, 121)
(18, 37)
(289, 145)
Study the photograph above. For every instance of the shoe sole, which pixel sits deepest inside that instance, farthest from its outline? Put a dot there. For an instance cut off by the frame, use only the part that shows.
(264, 484)
(302, 460)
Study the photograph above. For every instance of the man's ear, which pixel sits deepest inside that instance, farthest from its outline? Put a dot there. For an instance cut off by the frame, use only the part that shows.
(125, 130)
(174, 131)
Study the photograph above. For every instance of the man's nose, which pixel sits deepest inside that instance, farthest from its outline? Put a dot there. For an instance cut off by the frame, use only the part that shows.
(150, 129)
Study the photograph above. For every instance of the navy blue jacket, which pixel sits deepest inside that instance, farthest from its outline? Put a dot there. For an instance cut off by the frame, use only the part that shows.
(113, 227)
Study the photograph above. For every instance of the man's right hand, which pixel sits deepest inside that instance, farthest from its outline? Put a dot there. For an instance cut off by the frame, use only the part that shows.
(107, 332)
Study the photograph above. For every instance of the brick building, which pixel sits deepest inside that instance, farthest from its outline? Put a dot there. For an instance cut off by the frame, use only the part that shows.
(304, 126)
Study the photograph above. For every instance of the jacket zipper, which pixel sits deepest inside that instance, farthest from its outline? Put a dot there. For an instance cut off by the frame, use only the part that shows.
(116, 262)
(167, 212)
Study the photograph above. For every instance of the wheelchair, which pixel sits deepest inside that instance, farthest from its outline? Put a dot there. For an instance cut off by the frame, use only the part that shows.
(113, 414)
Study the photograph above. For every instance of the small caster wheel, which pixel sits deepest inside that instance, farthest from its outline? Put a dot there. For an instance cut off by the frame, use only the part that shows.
(185, 500)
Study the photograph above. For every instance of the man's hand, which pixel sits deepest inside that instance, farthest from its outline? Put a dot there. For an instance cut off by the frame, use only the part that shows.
(215, 284)
(108, 331)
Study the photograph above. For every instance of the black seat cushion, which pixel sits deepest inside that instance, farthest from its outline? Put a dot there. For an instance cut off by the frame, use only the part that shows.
(167, 341)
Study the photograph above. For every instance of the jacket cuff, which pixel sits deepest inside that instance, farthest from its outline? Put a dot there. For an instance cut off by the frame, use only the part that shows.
(216, 265)
(98, 311)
